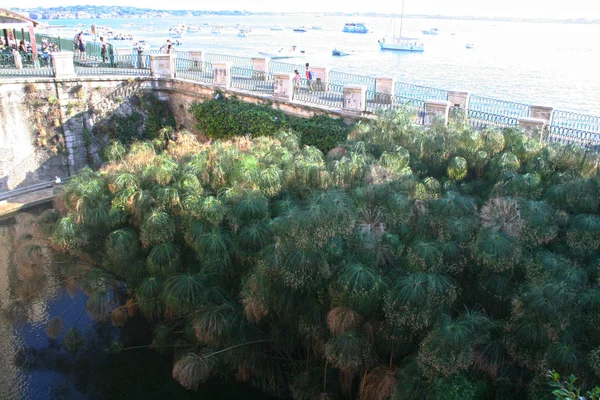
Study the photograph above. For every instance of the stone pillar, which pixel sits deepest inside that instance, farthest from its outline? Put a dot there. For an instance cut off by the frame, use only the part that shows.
(63, 64)
(284, 86)
(260, 68)
(162, 65)
(533, 127)
(355, 98)
(436, 109)
(321, 77)
(541, 112)
(222, 73)
(196, 60)
(459, 99)
(384, 90)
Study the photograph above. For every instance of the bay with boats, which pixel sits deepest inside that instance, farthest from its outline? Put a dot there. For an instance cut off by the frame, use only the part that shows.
(536, 63)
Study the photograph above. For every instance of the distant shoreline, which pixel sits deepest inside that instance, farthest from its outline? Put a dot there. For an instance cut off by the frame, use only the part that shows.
(105, 12)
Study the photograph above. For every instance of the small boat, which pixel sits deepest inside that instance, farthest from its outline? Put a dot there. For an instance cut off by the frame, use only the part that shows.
(299, 29)
(215, 30)
(283, 53)
(194, 29)
(355, 27)
(400, 43)
(276, 28)
(469, 45)
(342, 52)
(317, 27)
(432, 31)
(244, 33)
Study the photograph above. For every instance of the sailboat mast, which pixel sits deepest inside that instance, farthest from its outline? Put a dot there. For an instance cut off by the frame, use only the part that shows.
(401, 18)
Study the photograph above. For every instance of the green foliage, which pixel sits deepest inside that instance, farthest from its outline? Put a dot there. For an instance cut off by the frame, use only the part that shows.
(224, 117)
(152, 115)
(442, 262)
(568, 389)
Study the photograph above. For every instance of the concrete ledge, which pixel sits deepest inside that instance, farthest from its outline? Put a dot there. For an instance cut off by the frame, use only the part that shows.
(13, 205)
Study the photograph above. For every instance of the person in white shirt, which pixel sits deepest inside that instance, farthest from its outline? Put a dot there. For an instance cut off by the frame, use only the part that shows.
(165, 47)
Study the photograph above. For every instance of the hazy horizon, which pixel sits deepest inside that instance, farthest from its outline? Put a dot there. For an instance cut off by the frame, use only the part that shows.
(472, 8)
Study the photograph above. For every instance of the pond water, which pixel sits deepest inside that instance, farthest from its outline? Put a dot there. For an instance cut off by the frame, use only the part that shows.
(33, 366)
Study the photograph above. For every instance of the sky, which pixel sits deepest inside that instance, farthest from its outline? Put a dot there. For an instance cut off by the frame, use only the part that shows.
(483, 8)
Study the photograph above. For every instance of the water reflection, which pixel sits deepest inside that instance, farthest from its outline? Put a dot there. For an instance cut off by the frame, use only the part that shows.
(40, 302)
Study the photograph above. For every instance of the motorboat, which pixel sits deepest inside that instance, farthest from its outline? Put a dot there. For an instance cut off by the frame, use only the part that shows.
(342, 52)
(283, 53)
(276, 28)
(355, 27)
(215, 30)
(317, 27)
(299, 29)
(244, 32)
(469, 45)
(401, 43)
(432, 31)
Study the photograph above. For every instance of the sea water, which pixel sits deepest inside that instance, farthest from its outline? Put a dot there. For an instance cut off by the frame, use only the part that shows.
(33, 366)
(553, 64)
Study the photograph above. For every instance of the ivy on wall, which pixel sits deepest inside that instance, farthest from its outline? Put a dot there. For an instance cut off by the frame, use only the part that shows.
(225, 117)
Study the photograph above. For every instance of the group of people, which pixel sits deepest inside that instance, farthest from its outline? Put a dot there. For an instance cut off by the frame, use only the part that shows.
(79, 47)
(308, 75)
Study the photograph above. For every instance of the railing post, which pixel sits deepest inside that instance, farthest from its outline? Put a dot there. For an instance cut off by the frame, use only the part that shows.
(283, 88)
(260, 68)
(355, 98)
(541, 112)
(222, 73)
(162, 65)
(197, 59)
(62, 62)
(124, 57)
(533, 127)
(384, 90)
(320, 78)
(436, 109)
(459, 99)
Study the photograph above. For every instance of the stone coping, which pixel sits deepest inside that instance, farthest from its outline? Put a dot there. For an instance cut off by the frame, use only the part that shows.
(13, 205)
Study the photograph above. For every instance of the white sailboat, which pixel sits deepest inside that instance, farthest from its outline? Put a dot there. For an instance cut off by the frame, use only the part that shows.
(401, 43)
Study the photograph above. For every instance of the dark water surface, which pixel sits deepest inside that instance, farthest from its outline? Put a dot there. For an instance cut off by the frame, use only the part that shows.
(33, 366)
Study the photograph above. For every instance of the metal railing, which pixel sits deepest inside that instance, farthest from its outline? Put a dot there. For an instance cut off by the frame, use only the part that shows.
(408, 90)
(566, 135)
(23, 64)
(498, 107)
(482, 120)
(137, 65)
(575, 121)
(323, 94)
(240, 62)
(341, 79)
(200, 71)
(278, 67)
(251, 80)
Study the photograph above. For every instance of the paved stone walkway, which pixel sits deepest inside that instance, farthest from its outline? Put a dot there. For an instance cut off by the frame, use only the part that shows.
(13, 205)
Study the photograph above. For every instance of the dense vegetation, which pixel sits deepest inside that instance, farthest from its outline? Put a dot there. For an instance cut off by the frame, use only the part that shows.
(226, 117)
(148, 116)
(410, 263)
